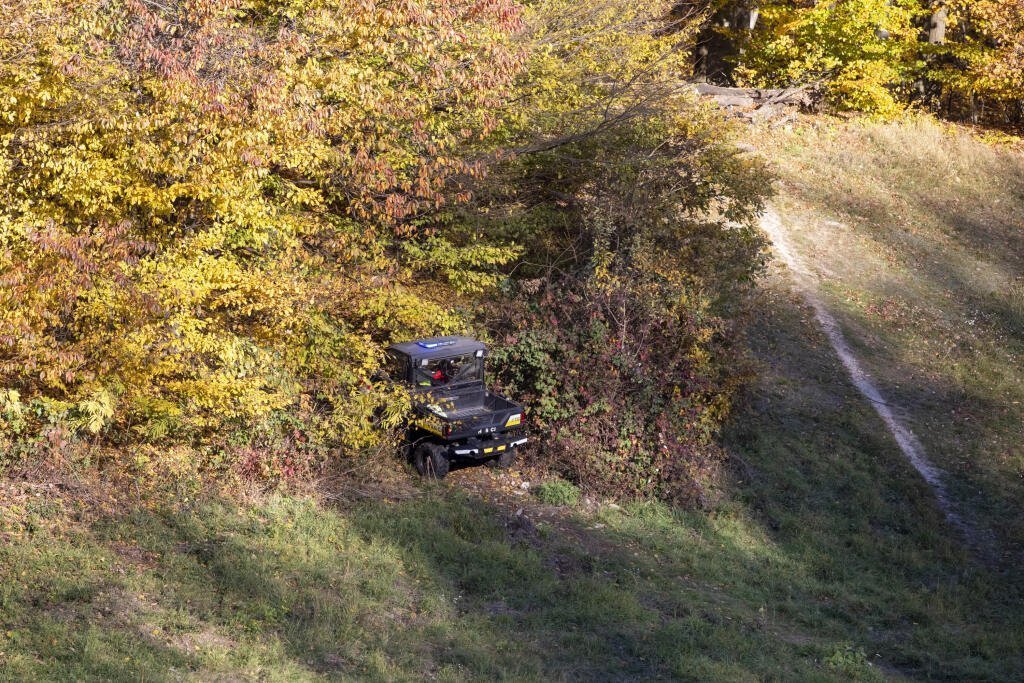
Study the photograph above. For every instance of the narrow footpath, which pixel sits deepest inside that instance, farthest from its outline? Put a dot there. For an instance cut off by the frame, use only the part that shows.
(806, 284)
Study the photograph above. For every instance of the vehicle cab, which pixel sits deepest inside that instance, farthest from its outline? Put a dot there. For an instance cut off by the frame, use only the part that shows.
(456, 416)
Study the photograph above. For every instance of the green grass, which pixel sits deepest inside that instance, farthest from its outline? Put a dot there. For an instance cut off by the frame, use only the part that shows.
(872, 559)
(917, 235)
(557, 492)
(827, 560)
(439, 587)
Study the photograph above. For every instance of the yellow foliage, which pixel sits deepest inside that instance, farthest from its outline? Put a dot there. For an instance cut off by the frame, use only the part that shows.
(861, 50)
(199, 201)
(988, 49)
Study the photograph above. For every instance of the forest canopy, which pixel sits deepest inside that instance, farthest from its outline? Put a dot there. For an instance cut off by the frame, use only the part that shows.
(961, 58)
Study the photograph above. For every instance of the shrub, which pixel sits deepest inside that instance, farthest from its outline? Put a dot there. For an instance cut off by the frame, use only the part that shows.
(852, 663)
(619, 342)
(624, 399)
(863, 51)
(557, 492)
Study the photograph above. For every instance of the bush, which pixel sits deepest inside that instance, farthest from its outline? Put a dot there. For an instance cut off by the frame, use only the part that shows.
(622, 348)
(852, 664)
(626, 416)
(557, 492)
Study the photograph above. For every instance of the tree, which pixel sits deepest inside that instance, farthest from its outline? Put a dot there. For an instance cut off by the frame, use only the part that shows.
(982, 61)
(200, 199)
(862, 51)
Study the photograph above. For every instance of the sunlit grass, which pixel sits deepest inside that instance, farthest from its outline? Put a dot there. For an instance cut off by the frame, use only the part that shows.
(827, 559)
(917, 234)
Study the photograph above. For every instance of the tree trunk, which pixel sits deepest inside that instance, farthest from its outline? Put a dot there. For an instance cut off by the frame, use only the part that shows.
(937, 27)
(756, 97)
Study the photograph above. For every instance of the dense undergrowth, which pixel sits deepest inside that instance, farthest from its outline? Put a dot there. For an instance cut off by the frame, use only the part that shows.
(215, 213)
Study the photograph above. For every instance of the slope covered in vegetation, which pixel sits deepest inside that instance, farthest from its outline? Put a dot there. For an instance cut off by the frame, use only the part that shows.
(915, 234)
(215, 213)
(827, 560)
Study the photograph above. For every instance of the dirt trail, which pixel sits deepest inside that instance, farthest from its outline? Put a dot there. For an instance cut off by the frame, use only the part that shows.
(979, 541)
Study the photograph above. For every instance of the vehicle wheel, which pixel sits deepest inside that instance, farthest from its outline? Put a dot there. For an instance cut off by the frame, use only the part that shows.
(503, 461)
(431, 461)
(407, 449)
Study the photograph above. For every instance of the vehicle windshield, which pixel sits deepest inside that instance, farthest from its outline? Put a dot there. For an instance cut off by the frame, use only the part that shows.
(436, 372)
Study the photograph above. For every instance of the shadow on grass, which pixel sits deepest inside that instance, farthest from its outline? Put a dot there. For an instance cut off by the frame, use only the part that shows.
(967, 429)
(445, 586)
(943, 205)
(934, 224)
(830, 561)
(816, 467)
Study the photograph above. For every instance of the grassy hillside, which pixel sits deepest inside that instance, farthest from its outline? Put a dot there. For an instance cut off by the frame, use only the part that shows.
(828, 559)
(916, 233)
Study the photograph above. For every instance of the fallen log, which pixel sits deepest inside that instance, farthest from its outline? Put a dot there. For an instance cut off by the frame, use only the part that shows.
(801, 95)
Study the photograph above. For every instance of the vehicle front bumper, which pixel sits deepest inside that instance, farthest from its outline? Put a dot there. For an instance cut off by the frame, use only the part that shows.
(486, 449)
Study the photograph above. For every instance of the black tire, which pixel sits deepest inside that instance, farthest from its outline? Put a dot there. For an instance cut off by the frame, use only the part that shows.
(430, 460)
(503, 461)
(407, 449)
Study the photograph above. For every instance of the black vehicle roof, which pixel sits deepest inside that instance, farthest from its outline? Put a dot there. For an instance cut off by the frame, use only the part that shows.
(445, 346)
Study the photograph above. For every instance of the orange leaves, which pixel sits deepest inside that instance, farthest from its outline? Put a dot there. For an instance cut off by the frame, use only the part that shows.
(189, 39)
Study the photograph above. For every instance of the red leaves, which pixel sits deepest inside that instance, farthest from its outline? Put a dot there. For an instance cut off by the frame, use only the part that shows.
(501, 11)
(77, 259)
(624, 386)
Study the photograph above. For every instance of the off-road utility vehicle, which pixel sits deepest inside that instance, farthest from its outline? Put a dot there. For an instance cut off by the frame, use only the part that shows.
(456, 418)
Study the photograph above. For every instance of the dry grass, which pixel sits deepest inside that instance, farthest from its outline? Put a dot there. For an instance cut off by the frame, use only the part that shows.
(916, 232)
